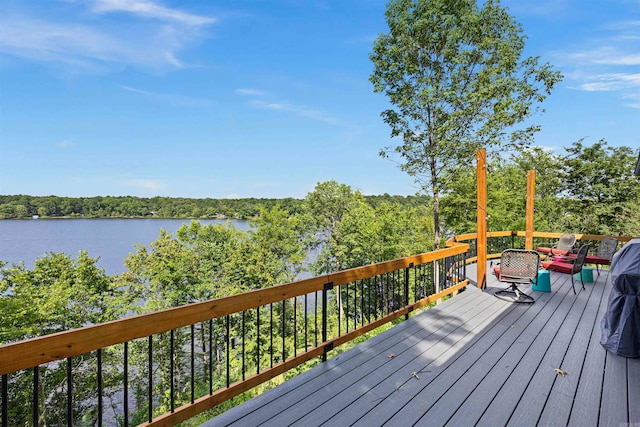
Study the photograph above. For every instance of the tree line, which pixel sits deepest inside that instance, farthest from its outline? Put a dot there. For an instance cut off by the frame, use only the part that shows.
(25, 206)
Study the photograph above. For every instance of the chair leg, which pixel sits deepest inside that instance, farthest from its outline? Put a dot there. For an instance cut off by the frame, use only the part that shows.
(572, 285)
(520, 296)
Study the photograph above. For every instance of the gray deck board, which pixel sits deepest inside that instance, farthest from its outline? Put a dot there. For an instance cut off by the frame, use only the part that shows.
(633, 370)
(560, 403)
(503, 386)
(564, 324)
(614, 409)
(380, 382)
(478, 360)
(586, 409)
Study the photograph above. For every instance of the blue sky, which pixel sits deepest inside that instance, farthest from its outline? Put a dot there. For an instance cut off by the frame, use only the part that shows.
(255, 98)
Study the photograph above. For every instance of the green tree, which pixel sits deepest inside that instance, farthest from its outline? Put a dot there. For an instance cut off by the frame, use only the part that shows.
(603, 190)
(58, 294)
(550, 206)
(456, 75)
(324, 208)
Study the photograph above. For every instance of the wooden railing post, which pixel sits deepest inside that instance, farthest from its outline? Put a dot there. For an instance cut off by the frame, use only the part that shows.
(531, 192)
(481, 157)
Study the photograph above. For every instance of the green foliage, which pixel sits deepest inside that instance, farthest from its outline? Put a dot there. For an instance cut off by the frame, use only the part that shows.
(589, 190)
(603, 191)
(58, 294)
(455, 73)
(21, 206)
(347, 232)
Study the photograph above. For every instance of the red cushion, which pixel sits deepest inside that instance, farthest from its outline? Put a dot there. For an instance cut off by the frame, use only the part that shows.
(592, 259)
(562, 267)
(555, 251)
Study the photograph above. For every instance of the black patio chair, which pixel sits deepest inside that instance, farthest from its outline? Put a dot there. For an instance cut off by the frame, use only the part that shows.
(570, 265)
(517, 266)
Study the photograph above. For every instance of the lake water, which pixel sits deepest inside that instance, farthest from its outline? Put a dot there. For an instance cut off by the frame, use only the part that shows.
(109, 239)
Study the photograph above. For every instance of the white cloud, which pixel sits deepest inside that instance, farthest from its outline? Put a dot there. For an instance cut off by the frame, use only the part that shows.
(299, 110)
(249, 92)
(151, 10)
(605, 55)
(611, 82)
(96, 42)
(175, 100)
(66, 144)
(608, 63)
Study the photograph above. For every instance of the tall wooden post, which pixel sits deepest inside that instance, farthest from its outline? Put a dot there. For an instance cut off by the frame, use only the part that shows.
(481, 157)
(531, 192)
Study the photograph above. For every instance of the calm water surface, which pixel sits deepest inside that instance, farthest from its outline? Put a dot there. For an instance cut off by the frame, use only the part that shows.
(109, 239)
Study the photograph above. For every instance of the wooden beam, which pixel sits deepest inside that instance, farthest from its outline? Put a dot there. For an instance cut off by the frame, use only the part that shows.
(49, 348)
(481, 158)
(531, 192)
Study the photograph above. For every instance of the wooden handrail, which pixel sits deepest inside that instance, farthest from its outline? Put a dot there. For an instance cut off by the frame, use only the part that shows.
(543, 234)
(61, 345)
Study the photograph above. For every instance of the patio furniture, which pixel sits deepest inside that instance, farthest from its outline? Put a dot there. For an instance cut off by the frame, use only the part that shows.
(620, 324)
(543, 282)
(604, 253)
(570, 266)
(517, 266)
(564, 246)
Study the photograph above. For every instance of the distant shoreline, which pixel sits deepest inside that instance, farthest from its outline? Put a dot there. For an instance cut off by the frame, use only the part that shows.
(50, 207)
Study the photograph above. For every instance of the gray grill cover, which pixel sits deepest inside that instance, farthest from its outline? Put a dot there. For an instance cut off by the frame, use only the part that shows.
(621, 323)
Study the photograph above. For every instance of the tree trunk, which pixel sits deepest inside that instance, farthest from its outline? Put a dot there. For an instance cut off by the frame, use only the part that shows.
(436, 204)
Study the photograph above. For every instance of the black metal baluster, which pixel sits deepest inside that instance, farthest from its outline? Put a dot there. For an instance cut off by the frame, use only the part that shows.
(406, 289)
(210, 356)
(243, 344)
(362, 302)
(271, 332)
(375, 298)
(69, 392)
(415, 284)
(464, 265)
(306, 325)
(295, 327)
(150, 409)
(36, 395)
(5, 400)
(369, 300)
(228, 351)
(315, 316)
(346, 309)
(99, 351)
(284, 355)
(126, 384)
(193, 362)
(172, 388)
(355, 305)
(340, 310)
(324, 320)
(258, 340)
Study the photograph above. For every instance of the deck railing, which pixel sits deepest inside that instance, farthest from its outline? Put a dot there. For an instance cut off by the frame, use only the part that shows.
(165, 367)
(497, 241)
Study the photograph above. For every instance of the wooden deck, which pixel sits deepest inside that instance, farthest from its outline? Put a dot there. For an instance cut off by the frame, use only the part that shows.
(472, 360)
